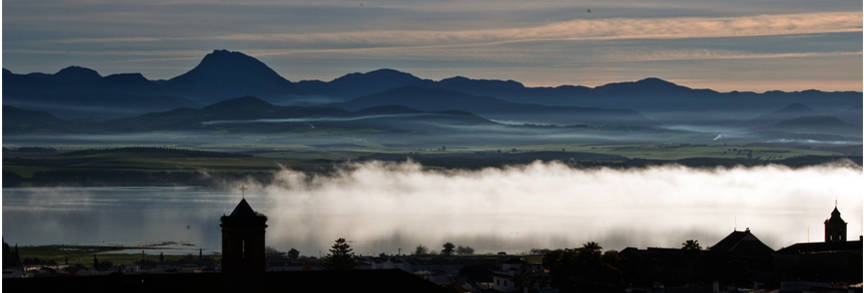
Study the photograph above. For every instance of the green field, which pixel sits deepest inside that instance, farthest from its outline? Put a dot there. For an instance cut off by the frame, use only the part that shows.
(82, 255)
(673, 152)
(169, 166)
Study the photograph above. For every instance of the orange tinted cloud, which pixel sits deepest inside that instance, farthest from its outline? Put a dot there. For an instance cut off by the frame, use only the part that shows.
(592, 29)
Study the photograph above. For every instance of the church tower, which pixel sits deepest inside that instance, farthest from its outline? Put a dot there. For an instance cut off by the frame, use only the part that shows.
(243, 240)
(835, 227)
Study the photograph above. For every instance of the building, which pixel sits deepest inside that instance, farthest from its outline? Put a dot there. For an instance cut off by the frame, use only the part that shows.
(243, 240)
(739, 260)
(835, 239)
(834, 260)
(505, 279)
(835, 227)
(742, 244)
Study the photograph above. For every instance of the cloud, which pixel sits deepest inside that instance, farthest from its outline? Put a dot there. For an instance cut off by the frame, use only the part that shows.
(706, 54)
(579, 51)
(592, 29)
(578, 29)
(384, 206)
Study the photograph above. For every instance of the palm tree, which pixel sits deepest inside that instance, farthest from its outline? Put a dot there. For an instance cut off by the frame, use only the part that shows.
(592, 247)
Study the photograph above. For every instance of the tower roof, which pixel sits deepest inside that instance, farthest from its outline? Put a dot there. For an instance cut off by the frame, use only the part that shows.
(835, 217)
(244, 210)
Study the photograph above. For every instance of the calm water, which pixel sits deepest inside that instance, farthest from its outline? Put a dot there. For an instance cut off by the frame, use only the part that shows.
(115, 215)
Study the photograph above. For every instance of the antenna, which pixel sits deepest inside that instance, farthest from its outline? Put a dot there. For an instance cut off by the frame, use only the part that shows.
(808, 233)
(735, 227)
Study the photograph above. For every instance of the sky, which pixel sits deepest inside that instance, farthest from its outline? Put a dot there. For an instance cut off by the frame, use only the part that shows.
(725, 45)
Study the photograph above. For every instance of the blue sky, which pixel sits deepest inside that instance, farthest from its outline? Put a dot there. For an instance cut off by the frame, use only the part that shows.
(726, 45)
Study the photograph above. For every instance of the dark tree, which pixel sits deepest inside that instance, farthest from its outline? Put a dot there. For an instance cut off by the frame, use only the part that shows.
(421, 250)
(592, 248)
(341, 256)
(11, 258)
(464, 250)
(448, 248)
(585, 269)
(293, 254)
(691, 245)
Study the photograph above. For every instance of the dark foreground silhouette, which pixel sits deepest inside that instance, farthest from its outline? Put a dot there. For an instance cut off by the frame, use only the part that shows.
(302, 281)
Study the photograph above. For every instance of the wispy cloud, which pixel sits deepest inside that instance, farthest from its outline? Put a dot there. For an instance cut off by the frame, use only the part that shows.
(592, 29)
(578, 29)
(673, 55)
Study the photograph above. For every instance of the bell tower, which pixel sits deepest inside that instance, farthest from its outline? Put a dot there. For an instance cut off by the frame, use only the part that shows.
(243, 240)
(835, 227)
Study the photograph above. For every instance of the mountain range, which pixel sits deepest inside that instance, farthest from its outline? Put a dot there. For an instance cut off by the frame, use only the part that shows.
(80, 92)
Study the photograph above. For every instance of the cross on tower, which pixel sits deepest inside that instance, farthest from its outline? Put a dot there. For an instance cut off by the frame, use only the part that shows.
(243, 190)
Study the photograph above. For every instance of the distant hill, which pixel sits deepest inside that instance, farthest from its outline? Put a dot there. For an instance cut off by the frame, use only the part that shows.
(17, 120)
(815, 122)
(795, 108)
(244, 108)
(224, 74)
(362, 84)
(250, 114)
(791, 111)
(799, 121)
(480, 86)
(428, 99)
(432, 99)
(648, 95)
(813, 127)
(82, 92)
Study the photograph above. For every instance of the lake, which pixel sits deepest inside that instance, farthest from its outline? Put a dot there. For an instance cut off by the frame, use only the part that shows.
(115, 215)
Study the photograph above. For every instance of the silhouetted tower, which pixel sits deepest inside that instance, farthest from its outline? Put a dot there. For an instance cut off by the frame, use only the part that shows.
(835, 227)
(243, 240)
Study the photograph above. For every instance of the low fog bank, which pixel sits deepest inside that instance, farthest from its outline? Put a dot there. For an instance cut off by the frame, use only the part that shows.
(384, 207)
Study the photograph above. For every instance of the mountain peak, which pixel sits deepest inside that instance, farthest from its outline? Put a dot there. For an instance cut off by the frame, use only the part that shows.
(383, 75)
(222, 74)
(644, 86)
(225, 60)
(360, 84)
(655, 81)
(463, 83)
(216, 54)
(78, 73)
(387, 71)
